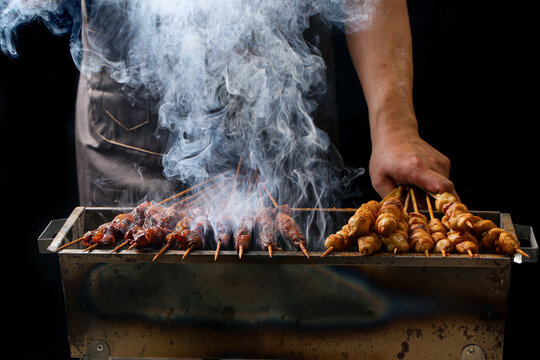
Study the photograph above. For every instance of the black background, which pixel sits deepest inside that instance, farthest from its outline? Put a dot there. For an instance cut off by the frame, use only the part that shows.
(475, 94)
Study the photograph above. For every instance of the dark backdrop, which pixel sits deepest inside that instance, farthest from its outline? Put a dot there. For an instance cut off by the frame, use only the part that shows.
(475, 98)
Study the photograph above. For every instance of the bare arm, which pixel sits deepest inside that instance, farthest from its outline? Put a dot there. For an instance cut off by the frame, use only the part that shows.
(382, 56)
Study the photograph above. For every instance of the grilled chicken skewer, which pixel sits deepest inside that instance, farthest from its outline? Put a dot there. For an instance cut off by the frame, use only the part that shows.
(369, 244)
(358, 225)
(360, 229)
(491, 237)
(372, 242)
(339, 241)
(419, 235)
(363, 219)
(390, 213)
(397, 241)
(438, 232)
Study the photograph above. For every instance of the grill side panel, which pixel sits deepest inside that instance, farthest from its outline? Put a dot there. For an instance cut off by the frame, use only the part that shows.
(194, 310)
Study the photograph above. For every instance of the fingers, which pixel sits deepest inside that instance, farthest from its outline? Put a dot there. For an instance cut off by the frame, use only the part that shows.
(384, 187)
(425, 179)
(431, 181)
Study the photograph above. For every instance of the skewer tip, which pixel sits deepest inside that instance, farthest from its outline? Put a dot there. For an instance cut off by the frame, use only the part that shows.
(303, 248)
(522, 252)
(217, 250)
(70, 243)
(240, 251)
(188, 250)
(328, 251)
(119, 246)
(163, 249)
(91, 247)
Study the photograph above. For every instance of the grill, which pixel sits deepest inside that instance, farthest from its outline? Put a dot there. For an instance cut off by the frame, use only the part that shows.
(343, 306)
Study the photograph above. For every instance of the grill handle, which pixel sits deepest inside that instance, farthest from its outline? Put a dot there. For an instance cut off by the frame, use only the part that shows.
(57, 232)
(528, 244)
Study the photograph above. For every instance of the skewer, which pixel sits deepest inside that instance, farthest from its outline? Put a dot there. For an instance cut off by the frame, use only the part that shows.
(202, 194)
(70, 243)
(406, 204)
(436, 196)
(270, 196)
(93, 246)
(269, 247)
(236, 176)
(413, 198)
(304, 250)
(302, 247)
(430, 208)
(240, 251)
(188, 250)
(119, 246)
(415, 207)
(218, 247)
(328, 251)
(192, 188)
(432, 216)
(325, 209)
(163, 249)
(518, 250)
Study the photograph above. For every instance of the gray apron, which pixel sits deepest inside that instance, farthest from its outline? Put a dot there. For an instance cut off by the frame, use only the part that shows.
(118, 143)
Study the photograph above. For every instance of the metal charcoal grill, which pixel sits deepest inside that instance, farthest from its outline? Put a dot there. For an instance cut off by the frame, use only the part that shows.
(343, 306)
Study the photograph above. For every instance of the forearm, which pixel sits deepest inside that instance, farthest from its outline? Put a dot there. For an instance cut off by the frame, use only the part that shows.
(382, 57)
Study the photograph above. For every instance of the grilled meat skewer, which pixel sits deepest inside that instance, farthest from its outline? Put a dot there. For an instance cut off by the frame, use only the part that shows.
(242, 235)
(267, 231)
(290, 230)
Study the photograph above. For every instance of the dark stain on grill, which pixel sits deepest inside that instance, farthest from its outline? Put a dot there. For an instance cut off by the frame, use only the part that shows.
(404, 350)
(405, 344)
(439, 331)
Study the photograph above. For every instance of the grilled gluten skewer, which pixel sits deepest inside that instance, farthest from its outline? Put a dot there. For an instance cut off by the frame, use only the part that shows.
(456, 218)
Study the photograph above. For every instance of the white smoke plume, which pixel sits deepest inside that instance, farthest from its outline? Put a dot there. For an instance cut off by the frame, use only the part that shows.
(233, 78)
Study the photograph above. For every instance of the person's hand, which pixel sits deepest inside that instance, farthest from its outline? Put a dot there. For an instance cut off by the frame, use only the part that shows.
(406, 159)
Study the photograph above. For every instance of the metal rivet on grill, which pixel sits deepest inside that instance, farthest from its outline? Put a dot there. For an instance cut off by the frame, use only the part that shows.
(97, 350)
(472, 352)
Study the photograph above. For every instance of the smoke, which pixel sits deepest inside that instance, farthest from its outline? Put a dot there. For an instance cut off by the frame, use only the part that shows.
(234, 79)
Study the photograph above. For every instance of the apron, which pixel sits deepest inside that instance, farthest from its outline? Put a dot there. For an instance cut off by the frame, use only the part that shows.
(119, 146)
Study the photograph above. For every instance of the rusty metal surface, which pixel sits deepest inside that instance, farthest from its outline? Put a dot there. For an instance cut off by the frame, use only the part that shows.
(174, 310)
